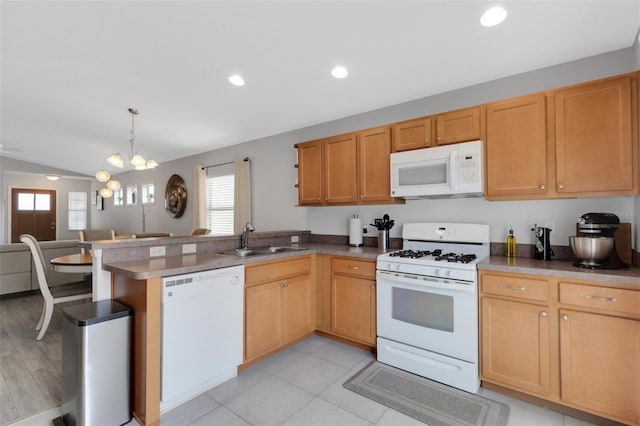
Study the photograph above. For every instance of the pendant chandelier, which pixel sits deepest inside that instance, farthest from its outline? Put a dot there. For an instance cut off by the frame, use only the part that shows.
(137, 161)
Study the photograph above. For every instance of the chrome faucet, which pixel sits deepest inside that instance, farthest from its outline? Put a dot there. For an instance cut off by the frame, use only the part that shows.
(245, 235)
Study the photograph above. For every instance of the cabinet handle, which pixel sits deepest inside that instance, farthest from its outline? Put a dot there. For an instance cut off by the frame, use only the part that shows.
(564, 317)
(543, 314)
(560, 186)
(326, 198)
(439, 138)
(542, 186)
(602, 299)
(426, 140)
(373, 286)
(514, 287)
(284, 284)
(355, 268)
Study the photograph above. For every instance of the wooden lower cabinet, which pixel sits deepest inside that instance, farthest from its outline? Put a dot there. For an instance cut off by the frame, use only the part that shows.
(353, 299)
(575, 343)
(515, 345)
(600, 363)
(354, 308)
(277, 311)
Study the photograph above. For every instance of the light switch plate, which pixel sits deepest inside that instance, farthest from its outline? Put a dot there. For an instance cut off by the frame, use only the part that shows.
(551, 225)
(157, 251)
(188, 248)
(294, 239)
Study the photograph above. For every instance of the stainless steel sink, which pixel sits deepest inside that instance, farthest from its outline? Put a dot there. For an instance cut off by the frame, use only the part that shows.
(240, 252)
(284, 248)
(245, 252)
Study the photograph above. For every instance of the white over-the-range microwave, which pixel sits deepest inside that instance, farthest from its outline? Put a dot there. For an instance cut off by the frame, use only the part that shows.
(447, 171)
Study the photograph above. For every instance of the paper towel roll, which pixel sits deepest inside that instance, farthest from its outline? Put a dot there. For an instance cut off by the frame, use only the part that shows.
(355, 231)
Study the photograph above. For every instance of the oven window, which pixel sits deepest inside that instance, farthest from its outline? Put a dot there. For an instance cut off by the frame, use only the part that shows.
(422, 308)
(427, 174)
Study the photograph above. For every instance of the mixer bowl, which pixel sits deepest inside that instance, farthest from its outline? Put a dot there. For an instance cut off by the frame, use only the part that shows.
(591, 250)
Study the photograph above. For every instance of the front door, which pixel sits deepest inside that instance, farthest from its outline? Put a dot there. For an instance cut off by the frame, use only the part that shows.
(33, 211)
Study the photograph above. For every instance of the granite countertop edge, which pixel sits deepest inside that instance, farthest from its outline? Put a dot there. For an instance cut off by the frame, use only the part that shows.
(559, 269)
(160, 267)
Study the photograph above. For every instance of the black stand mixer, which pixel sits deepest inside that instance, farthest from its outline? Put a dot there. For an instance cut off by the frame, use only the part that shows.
(591, 228)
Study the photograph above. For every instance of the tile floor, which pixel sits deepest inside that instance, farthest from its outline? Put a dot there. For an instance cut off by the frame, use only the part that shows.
(303, 386)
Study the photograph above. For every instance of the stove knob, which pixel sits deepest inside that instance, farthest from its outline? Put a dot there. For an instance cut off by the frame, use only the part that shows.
(443, 272)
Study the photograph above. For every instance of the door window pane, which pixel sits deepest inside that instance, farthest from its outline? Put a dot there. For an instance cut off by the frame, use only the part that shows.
(148, 193)
(25, 201)
(43, 202)
(132, 195)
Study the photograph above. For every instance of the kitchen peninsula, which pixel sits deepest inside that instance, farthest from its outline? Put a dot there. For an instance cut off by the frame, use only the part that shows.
(126, 272)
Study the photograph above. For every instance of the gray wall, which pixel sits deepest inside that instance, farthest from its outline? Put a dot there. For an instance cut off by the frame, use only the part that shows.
(275, 197)
(21, 174)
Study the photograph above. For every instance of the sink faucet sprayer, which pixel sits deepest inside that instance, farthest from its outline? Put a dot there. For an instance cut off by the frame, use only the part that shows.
(245, 235)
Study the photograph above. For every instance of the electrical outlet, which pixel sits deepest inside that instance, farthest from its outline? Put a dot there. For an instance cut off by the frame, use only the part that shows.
(188, 248)
(294, 239)
(551, 225)
(157, 251)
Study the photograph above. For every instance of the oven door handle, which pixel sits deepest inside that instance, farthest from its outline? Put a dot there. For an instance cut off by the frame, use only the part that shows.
(424, 281)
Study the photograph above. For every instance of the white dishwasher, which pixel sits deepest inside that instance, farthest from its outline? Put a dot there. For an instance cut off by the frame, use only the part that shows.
(202, 332)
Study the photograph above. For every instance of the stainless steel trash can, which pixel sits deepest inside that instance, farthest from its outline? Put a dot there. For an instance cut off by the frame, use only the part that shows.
(96, 354)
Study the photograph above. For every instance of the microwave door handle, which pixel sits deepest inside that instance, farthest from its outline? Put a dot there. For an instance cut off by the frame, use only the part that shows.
(453, 172)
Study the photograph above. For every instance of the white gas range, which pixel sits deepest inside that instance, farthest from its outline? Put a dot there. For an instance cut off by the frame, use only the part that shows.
(427, 302)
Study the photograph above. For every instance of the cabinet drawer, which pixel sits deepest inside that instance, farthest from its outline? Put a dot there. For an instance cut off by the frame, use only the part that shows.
(514, 286)
(361, 268)
(276, 270)
(591, 296)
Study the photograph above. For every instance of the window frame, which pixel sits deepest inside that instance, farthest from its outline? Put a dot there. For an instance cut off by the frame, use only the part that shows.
(70, 210)
(221, 171)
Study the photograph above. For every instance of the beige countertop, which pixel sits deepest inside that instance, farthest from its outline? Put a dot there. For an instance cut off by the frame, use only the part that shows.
(189, 263)
(559, 268)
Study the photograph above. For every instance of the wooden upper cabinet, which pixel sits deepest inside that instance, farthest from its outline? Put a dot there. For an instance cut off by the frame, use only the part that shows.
(594, 144)
(458, 126)
(412, 134)
(310, 171)
(340, 169)
(374, 151)
(516, 149)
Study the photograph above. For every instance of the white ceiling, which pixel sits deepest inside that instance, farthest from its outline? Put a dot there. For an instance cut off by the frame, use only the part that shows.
(71, 69)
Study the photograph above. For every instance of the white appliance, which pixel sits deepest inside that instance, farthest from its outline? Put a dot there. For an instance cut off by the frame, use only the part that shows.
(202, 332)
(427, 302)
(455, 170)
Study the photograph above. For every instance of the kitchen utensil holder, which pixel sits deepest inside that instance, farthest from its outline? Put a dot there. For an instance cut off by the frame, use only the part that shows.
(383, 239)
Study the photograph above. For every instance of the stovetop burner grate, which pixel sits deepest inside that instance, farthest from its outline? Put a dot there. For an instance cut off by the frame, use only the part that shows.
(436, 255)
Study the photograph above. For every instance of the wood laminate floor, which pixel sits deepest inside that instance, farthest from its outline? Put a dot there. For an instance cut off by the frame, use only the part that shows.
(30, 370)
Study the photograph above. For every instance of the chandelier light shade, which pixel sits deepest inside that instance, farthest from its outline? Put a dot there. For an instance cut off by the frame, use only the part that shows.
(103, 176)
(106, 192)
(116, 160)
(114, 185)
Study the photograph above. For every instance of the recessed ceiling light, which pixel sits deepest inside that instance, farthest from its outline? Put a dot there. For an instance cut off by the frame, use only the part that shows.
(339, 72)
(236, 80)
(493, 16)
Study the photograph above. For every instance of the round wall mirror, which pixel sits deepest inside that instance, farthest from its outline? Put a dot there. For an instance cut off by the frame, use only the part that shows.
(175, 196)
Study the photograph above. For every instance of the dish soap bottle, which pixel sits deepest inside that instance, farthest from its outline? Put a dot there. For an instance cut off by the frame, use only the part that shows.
(511, 244)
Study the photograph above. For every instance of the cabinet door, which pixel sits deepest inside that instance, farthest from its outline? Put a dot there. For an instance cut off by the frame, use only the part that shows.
(354, 308)
(296, 313)
(515, 345)
(412, 134)
(458, 126)
(263, 319)
(374, 151)
(340, 169)
(600, 363)
(310, 173)
(516, 151)
(594, 149)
